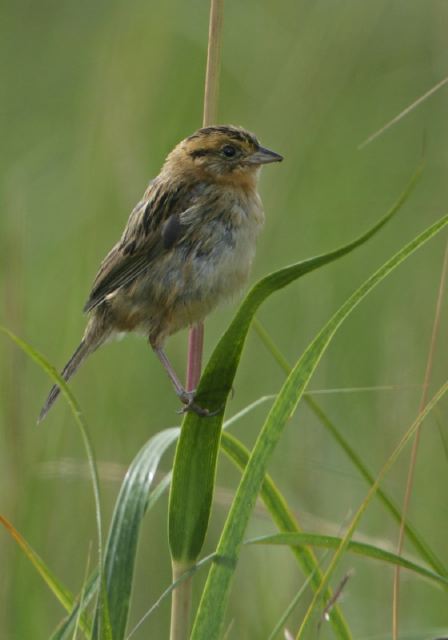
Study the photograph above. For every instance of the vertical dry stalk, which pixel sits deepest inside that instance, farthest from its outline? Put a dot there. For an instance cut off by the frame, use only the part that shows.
(196, 336)
(181, 597)
(413, 458)
(180, 605)
(213, 63)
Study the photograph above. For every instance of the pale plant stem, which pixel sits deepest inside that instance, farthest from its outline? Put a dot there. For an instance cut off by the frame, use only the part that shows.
(196, 337)
(180, 604)
(213, 63)
(415, 444)
(181, 598)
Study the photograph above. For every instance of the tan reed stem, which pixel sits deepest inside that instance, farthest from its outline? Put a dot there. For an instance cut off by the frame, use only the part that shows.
(415, 444)
(181, 599)
(196, 335)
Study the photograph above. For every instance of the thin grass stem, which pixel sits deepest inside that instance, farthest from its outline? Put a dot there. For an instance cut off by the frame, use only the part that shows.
(415, 444)
(180, 604)
(404, 113)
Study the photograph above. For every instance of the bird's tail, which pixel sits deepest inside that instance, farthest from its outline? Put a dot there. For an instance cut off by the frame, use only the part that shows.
(70, 368)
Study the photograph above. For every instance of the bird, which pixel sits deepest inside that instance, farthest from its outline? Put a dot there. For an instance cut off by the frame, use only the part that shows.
(187, 246)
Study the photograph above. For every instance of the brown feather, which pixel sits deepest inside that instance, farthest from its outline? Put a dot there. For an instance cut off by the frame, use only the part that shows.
(188, 245)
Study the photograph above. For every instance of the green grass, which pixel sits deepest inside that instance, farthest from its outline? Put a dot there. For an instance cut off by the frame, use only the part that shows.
(95, 97)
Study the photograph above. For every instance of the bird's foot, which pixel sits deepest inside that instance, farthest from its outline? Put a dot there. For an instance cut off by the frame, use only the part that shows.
(190, 406)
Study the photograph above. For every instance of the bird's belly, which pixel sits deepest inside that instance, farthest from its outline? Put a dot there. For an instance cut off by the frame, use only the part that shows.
(224, 271)
(209, 281)
(186, 284)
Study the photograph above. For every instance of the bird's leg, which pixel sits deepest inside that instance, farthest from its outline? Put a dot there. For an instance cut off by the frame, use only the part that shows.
(186, 397)
(180, 390)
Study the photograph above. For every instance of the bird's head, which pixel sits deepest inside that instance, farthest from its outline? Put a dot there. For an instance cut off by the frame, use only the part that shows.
(224, 154)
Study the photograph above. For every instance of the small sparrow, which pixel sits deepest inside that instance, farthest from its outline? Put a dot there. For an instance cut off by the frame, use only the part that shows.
(188, 245)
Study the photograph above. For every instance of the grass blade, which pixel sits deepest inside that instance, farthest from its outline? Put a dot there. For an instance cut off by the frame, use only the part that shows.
(281, 622)
(67, 626)
(412, 534)
(174, 585)
(124, 531)
(64, 596)
(286, 522)
(196, 452)
(306, 623)
(360, 548)
(210, 617)
(67, 393)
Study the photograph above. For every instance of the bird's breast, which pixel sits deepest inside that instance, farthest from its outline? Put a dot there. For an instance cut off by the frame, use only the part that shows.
(211, 264)
(227, 247)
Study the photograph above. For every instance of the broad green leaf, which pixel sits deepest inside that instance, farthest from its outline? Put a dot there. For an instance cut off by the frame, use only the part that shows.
(210, 616)
(365, 503)
(124, 531)
(360, 548)
(196, 452)
(273, 501)
(66, 628)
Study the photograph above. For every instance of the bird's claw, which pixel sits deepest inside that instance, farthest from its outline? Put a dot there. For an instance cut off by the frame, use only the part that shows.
(190, 406)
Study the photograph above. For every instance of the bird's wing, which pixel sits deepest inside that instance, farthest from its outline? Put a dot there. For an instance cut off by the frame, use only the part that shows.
(153, 228)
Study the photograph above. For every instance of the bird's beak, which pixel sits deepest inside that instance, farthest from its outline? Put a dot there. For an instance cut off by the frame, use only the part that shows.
(264, 156)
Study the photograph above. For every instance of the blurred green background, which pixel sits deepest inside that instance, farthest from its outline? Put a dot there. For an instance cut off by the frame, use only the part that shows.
(94, 95)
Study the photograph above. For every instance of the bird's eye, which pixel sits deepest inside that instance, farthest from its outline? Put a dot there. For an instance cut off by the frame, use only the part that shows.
(229, 151)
